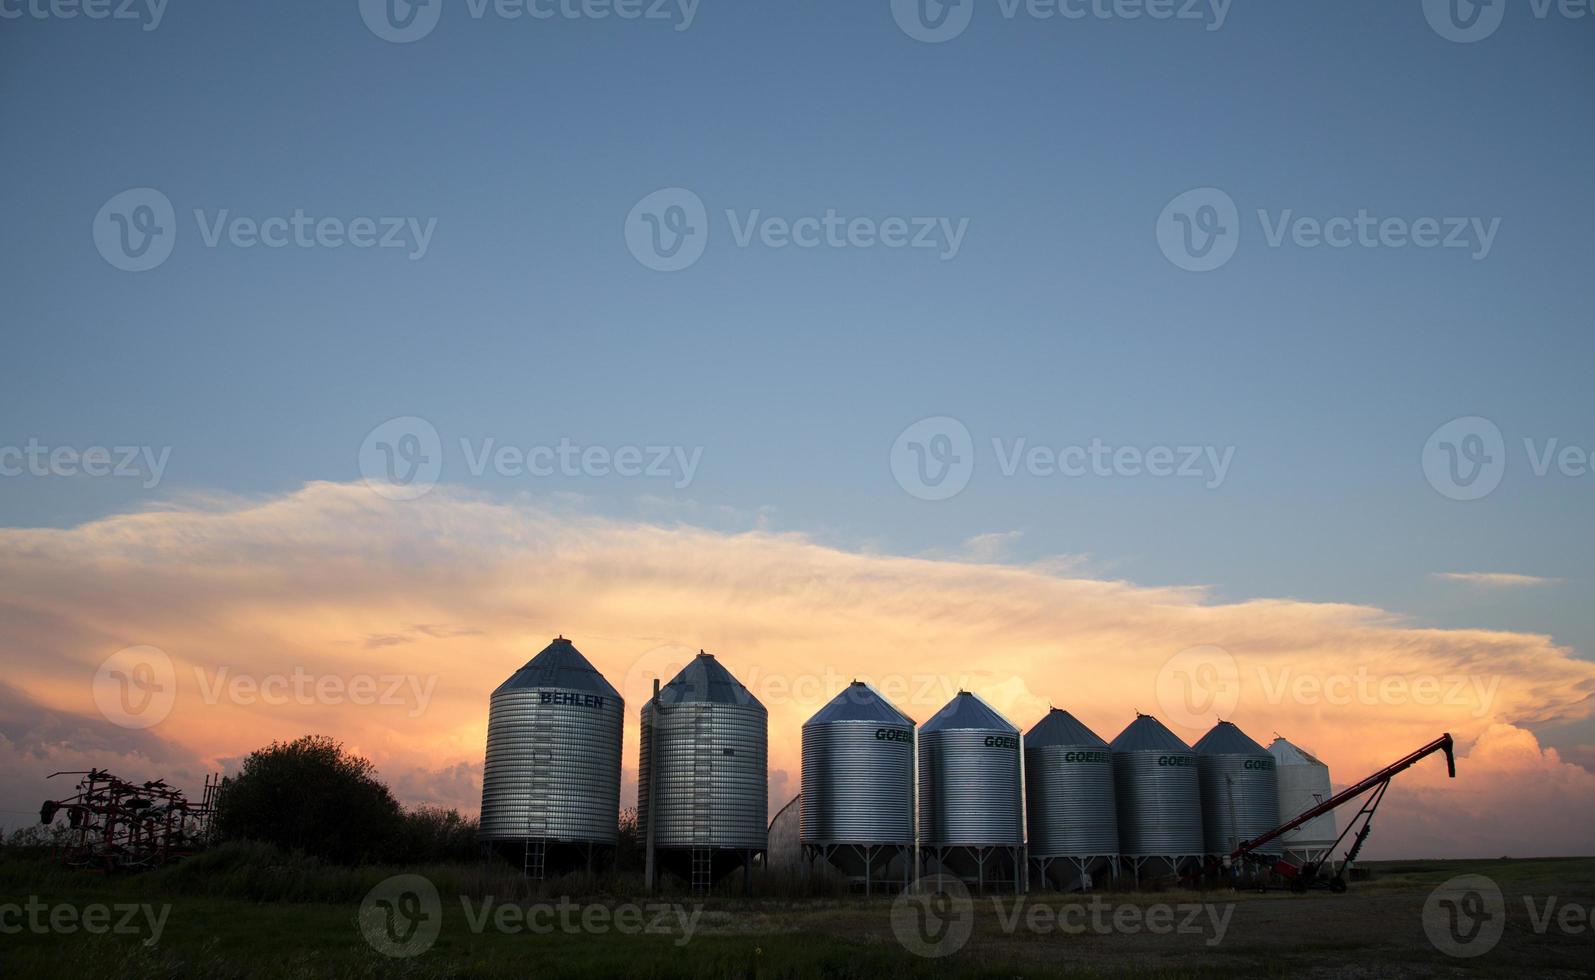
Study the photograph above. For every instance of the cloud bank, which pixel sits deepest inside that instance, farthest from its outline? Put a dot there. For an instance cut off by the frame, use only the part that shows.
(331, 587)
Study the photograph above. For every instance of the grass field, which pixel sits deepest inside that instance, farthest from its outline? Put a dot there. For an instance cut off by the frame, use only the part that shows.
(239, 915)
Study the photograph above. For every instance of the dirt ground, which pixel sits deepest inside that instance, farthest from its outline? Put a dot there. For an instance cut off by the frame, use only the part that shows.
(1379, 928)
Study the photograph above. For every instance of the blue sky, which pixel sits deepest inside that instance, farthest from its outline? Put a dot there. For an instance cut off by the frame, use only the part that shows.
(1058, 321)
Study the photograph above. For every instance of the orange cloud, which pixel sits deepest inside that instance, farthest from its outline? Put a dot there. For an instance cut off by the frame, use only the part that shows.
(447, 595)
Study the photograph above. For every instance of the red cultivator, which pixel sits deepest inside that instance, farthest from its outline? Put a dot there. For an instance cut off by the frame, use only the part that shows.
(113, 824)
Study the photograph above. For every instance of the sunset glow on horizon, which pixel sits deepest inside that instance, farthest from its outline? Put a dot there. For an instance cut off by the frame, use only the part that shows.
(387, 624)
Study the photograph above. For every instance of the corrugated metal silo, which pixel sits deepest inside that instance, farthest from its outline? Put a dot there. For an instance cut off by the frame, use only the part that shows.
(1158, 793)
(971, 793)
(1303, 784)
(552, 772)
(1069, 800)
(707, 737)
(858, 786)
(1240, 793)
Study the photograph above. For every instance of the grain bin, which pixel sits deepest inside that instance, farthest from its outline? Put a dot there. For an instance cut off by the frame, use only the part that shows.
(1158, 795)
(703, 779)
(858, 787)
(1069, 802)
(971, 791)
(1303, 784)
(551, 779)
(1240, 794)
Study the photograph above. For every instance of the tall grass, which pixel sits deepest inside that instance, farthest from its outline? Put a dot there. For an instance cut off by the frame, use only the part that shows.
(256, 872)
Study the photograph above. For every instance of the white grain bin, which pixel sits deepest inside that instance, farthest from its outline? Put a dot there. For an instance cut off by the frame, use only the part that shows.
(1303, 784)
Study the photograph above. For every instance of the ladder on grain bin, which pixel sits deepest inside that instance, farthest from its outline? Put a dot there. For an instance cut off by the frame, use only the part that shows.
(1312, 873)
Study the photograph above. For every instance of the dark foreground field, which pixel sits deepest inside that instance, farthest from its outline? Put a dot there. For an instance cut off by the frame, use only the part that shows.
(221, 918)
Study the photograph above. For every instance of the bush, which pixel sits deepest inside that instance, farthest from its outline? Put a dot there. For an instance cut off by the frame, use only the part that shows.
(433, 834)
(36, 840)
(310, 795)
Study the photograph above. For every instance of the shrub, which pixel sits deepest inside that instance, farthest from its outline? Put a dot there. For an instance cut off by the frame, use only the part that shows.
(433, 834)
(312, 796)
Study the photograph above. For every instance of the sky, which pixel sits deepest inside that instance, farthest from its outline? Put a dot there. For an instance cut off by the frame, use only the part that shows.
(1026, 352)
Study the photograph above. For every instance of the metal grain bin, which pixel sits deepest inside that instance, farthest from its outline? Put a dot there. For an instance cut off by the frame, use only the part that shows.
(1303, 784)
(858, 771)
(1069, 795)
(1158, 792)
(708, 736)
(1240, 794)
(553, 753)
(970, 789)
